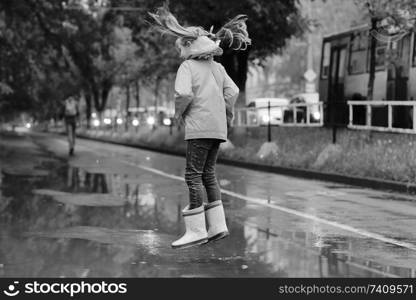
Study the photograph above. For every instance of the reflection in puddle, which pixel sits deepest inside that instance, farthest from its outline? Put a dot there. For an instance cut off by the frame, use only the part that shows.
(121, 224)
(81, 199)
(315, 193)
(292, 251)
(152, 241)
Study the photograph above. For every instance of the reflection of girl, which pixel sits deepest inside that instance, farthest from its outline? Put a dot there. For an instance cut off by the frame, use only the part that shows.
(204, 100)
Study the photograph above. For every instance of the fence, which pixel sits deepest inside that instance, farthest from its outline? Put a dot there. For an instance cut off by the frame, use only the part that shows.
(300, 114)
(391, 116)
(388, 116)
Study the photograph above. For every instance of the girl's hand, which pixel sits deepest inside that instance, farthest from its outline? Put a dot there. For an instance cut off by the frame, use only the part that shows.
(229, 122)
(179, 120)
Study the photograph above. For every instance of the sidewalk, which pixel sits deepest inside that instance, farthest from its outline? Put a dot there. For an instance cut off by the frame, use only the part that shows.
(367, 182)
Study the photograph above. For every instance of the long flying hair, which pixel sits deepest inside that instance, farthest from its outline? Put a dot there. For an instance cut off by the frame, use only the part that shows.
(233, 34)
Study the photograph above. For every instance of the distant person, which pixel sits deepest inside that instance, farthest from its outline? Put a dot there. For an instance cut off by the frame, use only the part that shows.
(71, 113)
(204, 100)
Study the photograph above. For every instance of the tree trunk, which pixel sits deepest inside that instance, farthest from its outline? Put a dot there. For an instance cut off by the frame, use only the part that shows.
(96, 97)
(373, 48)
(100, 96)
(137, 96)
(105, 91)
(236, 65)
(88, 109)
(126, 124)
(156, 93)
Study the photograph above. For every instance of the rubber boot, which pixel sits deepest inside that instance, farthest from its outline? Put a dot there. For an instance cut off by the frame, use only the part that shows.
(196, 231)
(217, 228)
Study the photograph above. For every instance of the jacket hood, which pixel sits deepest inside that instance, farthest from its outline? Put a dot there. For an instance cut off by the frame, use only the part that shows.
(201, 46)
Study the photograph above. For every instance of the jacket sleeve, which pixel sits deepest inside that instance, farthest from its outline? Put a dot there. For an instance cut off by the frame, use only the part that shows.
(231, 92)
(183, 91)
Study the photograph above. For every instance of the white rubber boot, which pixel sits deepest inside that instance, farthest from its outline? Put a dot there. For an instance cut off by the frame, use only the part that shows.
(196, 231)
(217, 228)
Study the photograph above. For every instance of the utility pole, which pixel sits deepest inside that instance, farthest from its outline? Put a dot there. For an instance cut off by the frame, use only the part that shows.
(137, 97)
(373, 48)
(126, 124)
(310, 75)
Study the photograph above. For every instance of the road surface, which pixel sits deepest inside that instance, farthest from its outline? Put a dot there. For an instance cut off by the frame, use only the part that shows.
(112, 211)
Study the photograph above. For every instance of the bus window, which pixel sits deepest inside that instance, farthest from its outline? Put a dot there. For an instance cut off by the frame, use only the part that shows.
(341, 68)
(380, 56)
(326, 60)
(358, 53)
(404, 54)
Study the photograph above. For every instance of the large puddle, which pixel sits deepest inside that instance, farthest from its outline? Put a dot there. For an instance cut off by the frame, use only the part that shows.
(92, 218)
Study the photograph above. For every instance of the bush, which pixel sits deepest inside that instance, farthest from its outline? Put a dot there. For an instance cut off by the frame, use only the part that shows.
(357, 153)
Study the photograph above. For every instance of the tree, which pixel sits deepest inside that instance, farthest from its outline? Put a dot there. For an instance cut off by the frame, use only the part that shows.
(32, 71)
(95, 44)
(158, 54)
(390, 20)
(52, 48)
(270, 25)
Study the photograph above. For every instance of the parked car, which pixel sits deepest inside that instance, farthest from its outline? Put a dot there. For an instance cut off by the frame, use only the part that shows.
(307, 99)
(277, 107)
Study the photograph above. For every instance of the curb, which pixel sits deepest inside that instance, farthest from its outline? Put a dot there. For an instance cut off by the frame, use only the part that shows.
(366, 182)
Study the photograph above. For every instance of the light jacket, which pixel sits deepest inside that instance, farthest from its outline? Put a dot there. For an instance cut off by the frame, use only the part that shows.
(204, 99)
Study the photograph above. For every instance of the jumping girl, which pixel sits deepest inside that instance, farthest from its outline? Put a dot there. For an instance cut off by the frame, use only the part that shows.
(204, 101)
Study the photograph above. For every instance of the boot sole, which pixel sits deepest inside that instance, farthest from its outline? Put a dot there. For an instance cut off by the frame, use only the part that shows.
(192, 244)
(219, 236)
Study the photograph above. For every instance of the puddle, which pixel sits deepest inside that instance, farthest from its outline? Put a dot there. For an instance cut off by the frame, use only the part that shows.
(99, 200)
(113, 225)
(96, 217)
(23, 171)
(151, 241)
(315, 193)
(333, 257)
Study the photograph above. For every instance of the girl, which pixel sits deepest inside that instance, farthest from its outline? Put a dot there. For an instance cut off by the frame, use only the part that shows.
(204, 100)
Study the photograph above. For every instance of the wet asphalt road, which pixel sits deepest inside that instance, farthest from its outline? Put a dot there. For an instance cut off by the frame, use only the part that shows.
(112, 211)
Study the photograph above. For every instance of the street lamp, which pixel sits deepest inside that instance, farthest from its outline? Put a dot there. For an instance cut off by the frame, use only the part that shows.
(167, 121)
(151, 120)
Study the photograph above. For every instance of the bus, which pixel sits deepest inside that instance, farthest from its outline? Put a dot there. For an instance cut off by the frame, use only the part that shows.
(344, 74)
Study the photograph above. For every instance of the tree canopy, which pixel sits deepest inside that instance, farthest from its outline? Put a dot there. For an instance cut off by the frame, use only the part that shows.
(387, 19)
(51, 49)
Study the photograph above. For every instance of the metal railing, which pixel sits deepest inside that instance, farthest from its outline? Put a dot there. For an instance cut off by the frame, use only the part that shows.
(390, 116)
(295, 115)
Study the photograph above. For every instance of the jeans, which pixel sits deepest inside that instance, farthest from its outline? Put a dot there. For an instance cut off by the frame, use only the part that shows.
(201, 158)
(70, 123)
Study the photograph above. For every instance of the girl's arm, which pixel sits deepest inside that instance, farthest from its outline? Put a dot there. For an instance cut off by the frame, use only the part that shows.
(183, 90)
(231, 92)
